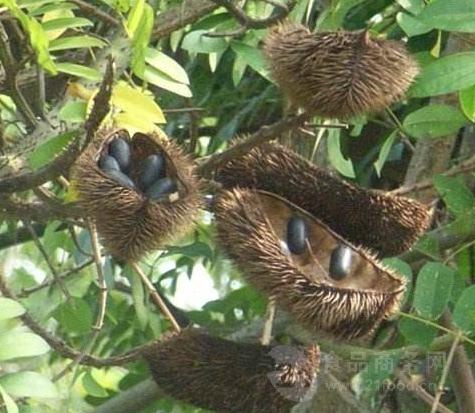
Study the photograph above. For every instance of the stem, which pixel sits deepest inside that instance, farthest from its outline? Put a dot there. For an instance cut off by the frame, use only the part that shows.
(269, 321)
(156, 297)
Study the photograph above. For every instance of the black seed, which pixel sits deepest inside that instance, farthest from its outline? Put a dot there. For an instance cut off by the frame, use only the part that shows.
(340, 262)
(120, 178)
(297, 234)
(152, 169)
(107, 162)
(161, 187)
(120, 150)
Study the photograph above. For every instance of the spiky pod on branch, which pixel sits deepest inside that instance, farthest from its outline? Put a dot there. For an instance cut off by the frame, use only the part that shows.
(338, 74)
(386, 224)
(229, 377)
(129, 223)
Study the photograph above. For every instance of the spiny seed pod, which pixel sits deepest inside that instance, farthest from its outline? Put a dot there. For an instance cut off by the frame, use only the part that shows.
(252, 228)
(221, 375)
(338, 74)
(386, 224)
(129, 222)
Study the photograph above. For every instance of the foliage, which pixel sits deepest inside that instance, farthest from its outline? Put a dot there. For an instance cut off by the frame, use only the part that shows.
(203, 90)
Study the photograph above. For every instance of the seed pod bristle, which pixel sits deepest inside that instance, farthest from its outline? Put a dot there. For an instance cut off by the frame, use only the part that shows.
(338, 74)
(386, 224)
(128, 222)
(251, 228)
(229, 377)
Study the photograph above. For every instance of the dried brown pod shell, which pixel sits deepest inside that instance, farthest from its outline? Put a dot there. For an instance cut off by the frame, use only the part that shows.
(252, 228)
(386, 224)
(225, 376)
(338, 74)
(130, 224)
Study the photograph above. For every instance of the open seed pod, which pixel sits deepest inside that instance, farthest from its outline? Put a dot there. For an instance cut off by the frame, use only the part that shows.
(338, 74)
(386, 224)
(141, 191)
(325, 282)
(225, 376)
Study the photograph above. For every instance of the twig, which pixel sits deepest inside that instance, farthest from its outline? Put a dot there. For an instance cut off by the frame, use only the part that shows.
(25, 292)
(445, 373)
(463, 167)
(419, 391)
(194, 126)
(39, 245)
(269, 321)
(91, 10)
(247, 22)
(156, 297)
(64, 349)
(186, 13)
(11, 69)
(27, 180)
(100, 276)
(264, 134)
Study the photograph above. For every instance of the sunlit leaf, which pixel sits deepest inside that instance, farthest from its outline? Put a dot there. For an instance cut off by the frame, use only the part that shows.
(48, 150)
(341, 164)
(75, 42)
(10, 308)
(14, 344)
(79, 71)
(197, 42)
(10, 404)
(167, 65)
(29, 384)
(467, 102)
(160, 79)
(54, 15)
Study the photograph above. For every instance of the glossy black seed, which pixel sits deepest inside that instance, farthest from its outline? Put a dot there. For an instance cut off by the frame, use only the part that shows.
(297, 234)
(107, 162)
(120, 150)
(160, 188)
(120, 178)
(151, 170)
(340, 262)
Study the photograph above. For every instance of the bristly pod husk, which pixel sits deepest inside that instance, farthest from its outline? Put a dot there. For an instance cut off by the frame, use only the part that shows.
(229, 377)
(129, 222)
(386, 224)
(338, 74)
(331, 287)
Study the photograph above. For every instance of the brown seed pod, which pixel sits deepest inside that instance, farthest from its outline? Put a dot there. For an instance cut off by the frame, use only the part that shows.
(225, 376)
(386, 224)
(338, 74)
(346, 299)
(129, 223)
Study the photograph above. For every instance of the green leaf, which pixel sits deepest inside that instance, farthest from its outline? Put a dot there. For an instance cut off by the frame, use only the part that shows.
(135, 17)
(467, 102)
(433, 289)
(464, 311)
(197, 42)
(79, 71)
(138, 295)
(252, 56)
(14, 344)
(166, 65)
(75, 42)
(445, 75)
(455, 193)
(29, 384)
(332, 18)
(39, 11)
(73, 112)
(341, 164)
(45, 152)
(141, 40)
(412, 6)
(411, 25)
(92, 387)
(75, 315)
(10, 404)
(434, 121)
(450, 15)
(402, 268)
(416, 332)
(64, 23)
(37, 36)
(10, 308)
(384, 152)
(367, 383)
(161, 80)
